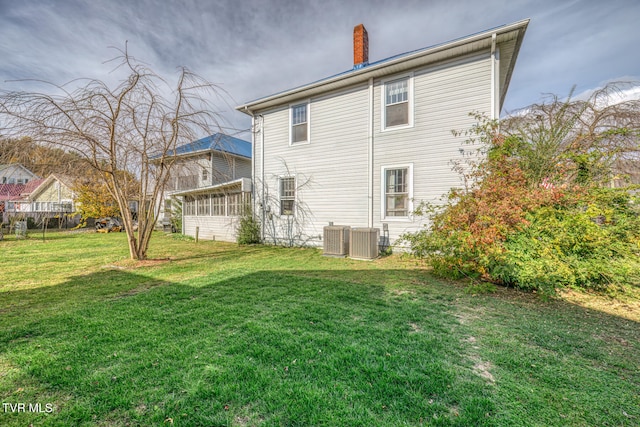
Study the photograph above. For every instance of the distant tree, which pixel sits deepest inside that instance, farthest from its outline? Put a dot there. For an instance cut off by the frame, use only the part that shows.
(131, 127)
(93, 200)
(578, 141)
(41, 159)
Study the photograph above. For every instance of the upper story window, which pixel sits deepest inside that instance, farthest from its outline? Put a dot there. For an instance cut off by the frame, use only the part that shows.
(287, 195)
(397, 103)
(299, 123)
(205, 175)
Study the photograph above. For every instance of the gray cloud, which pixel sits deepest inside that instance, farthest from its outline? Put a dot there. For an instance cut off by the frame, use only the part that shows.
(255, 48)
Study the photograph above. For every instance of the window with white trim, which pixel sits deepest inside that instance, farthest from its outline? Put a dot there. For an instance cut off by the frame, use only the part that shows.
(205, 175)
(189, 205)
(217, 205)
(287, 195)
(234, 204)
(397, 192)
(299, 123)
(397, 103)
(204, 206)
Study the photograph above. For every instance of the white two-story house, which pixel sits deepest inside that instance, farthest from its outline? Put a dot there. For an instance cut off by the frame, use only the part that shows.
(363, 147)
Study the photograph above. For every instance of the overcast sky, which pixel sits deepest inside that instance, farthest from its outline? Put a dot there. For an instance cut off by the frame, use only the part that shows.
(258, 47)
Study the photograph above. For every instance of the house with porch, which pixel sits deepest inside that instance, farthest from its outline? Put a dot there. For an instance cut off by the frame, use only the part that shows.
(363, 147)
(211, 179)
(52, 197)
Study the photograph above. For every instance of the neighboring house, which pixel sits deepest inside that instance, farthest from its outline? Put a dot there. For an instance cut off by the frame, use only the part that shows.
(14, 199)
(362, 148)
(54, 195)
(15, 173)
(212, 176)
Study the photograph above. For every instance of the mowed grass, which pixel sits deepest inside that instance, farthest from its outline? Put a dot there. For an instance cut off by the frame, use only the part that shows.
(212, 334)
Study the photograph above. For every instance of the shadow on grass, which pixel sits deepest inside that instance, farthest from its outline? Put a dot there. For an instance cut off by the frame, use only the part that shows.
(299, 347)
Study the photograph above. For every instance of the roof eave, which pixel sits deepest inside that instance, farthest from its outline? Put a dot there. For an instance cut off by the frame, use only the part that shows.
(374, 70)
(209, 188)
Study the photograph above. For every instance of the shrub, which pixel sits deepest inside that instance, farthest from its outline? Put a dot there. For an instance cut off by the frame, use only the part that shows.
(509, 227)
(248, 231)
(590, 245)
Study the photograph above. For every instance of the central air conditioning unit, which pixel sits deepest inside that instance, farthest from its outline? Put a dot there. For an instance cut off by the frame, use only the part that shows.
(364, 243)
(336, 240)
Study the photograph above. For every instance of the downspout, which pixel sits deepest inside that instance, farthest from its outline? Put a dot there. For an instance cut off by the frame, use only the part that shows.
(370, 153)
(264, 203)
(253, 168)
(494, 108)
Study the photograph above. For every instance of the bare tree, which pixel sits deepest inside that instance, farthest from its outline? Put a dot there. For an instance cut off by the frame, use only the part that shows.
(284, 228)
(594, 139)
(127, 133)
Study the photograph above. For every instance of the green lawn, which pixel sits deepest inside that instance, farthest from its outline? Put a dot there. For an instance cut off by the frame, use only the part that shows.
(213, 334)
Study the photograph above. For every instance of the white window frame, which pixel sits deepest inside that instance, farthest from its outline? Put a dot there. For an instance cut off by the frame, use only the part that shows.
(307, 103)
(282, 198)
(189, 206)
(234, 204)
(383, 102)
(383, 193)
(203, 205)
(218, 205)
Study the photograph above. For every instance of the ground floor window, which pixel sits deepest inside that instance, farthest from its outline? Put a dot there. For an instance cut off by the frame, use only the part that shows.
(287, 195)
(204, 206)
(217, 205)
(189, 205)
(234, 204)
(397, 191)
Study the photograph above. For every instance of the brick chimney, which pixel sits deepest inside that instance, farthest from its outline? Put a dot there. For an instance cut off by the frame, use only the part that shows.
(360, 46)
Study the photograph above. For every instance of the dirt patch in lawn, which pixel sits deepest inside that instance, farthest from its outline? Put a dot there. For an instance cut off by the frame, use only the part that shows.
(627, 306)
(132, 264)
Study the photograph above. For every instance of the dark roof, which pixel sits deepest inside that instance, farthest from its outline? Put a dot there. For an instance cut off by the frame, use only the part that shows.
(11, 191)
(217, 142)
(30, 186)
(17, 191)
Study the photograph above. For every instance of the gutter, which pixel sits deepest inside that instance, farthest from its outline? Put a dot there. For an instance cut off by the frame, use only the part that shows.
(363, 73)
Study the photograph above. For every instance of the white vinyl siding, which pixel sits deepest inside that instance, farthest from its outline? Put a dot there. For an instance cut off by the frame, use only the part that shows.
(444, 95)
(331, 172)
(222, 228)
(336, 164)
